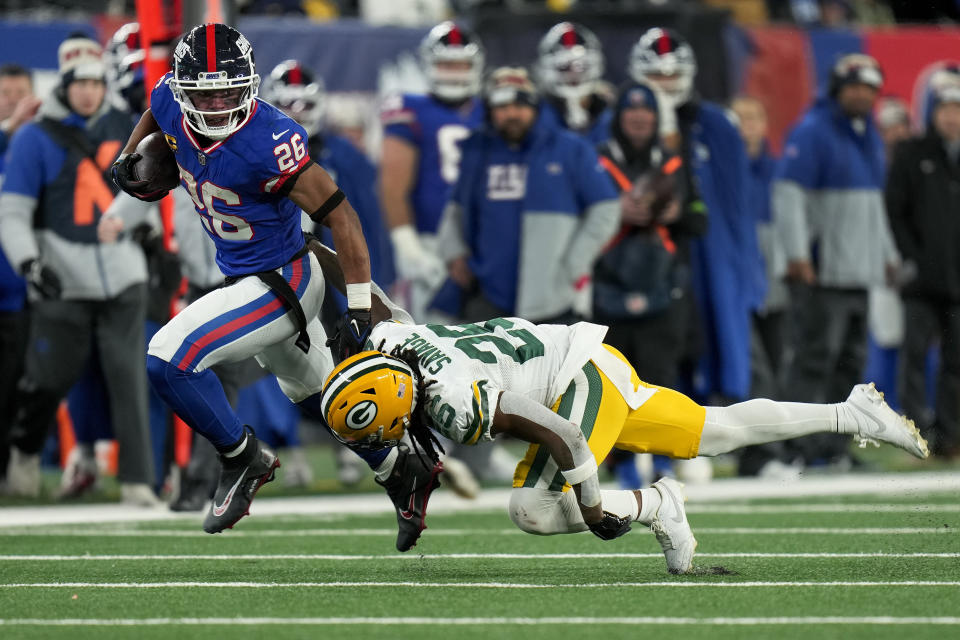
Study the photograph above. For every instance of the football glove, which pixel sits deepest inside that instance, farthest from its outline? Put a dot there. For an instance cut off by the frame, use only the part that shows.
(352, 333)
(610, 526)
(42, 279)
(122, 171)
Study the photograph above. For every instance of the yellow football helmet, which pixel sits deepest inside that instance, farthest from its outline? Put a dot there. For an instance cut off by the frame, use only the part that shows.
(368, 399)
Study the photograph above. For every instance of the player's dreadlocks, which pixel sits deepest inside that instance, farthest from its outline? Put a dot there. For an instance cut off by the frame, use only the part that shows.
(419, 431)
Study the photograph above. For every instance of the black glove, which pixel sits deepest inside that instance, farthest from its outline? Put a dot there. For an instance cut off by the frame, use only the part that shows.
(42, 278)
(353, 330)
(610, 526)
(122, 171)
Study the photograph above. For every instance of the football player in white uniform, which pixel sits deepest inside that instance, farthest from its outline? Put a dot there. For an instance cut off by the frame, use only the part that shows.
(573, 398)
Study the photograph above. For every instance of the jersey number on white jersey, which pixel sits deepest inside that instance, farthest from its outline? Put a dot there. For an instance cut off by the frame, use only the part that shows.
(479, 342)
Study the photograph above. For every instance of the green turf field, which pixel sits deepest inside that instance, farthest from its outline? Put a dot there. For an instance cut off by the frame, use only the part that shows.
(872, 566)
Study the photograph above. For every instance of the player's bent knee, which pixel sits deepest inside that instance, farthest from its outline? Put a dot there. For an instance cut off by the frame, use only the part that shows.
(540, 511)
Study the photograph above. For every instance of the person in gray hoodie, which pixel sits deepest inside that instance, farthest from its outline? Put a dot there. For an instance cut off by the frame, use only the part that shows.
(83, 293)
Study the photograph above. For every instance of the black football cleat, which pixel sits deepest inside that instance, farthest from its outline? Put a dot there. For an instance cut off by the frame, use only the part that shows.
(240, 479)
(409, 486)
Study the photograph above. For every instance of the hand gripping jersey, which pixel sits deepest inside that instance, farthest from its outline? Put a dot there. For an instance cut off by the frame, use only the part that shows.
(436, 130)
(236, 183)
(472, 363)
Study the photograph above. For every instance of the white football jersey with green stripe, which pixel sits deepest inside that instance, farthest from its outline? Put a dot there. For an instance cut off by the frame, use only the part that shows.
(472, 363)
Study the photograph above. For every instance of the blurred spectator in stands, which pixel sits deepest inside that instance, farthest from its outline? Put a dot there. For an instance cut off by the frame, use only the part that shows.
(642, 279)
(768, 339)
(18, 105)
(55, 191)
(829, 211)
(529, 214)
(421, 155)
(873, 12)
(836, 14)
(569, 72)
(925, 10)
(923, 198)
(893, 122)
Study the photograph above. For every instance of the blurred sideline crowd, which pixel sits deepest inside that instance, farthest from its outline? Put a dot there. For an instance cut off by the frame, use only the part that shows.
(545, 193)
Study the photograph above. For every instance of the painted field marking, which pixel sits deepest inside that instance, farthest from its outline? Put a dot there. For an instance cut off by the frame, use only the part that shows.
(811, 620)
(466, 585)
(452, 556)
(438, 532)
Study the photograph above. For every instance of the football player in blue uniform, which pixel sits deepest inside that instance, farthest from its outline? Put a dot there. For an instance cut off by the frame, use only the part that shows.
(569, 71)
(421, 153)
(245, 165)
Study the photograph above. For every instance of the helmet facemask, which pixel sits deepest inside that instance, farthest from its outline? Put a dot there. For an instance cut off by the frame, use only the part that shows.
(670, 72)
(571, 75)
(227, 121)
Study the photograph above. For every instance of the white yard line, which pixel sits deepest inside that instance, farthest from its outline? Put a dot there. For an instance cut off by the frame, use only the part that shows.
(452, 556)
(437, 532)
(463, 585)
(726, 489)
(386, 621)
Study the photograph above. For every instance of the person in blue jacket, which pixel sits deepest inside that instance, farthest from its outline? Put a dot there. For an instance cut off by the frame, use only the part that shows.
(727, 284)
(829, 211)
(531, 210)
(17, 106)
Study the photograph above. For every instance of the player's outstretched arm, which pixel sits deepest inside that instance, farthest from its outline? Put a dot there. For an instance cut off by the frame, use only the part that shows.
(316, 193)
(528, 420)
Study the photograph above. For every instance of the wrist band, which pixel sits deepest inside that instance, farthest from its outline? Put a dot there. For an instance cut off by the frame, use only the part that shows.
(358, 295)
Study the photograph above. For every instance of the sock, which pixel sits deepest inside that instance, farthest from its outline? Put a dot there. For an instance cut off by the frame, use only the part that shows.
(846, 418)
(621, 503)
(198, 398)
(233, 453)
(374, 459)
(650, 503)
(385, 466)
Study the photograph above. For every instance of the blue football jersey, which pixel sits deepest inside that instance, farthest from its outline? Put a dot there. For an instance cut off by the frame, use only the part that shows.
(235, 182)
(435, 129)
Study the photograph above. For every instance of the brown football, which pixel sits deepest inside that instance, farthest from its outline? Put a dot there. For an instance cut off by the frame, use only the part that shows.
(157, 164)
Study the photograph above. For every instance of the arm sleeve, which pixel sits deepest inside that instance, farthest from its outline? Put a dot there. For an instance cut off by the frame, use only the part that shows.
(132, 211)
(601, 214)
(22, 187)
(899, 206)
(399, 119)
(796, 176)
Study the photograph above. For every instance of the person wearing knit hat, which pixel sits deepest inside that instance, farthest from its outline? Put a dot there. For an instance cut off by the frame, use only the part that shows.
(83, 75)
(85, 294)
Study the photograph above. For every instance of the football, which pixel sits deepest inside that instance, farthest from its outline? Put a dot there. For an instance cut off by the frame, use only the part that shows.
(157, 166)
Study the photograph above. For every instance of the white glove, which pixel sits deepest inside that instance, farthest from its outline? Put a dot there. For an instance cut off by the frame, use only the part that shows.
(413, 262)
(667, 116)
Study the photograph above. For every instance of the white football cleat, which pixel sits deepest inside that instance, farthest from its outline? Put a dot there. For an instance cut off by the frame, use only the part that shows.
(460, 478)
(671, 527)
(876, 421)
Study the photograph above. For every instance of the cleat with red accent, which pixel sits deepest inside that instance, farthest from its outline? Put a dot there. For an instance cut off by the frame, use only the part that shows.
(240, 479)
(409, 486)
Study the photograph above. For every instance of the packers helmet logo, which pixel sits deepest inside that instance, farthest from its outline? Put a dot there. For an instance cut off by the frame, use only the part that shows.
(362, 414)
(171, 142)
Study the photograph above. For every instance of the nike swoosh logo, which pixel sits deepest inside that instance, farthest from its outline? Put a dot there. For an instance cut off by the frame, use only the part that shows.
(219, 510)
(880, 426)
(676, 505)
(276, 136)
(407, 513)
